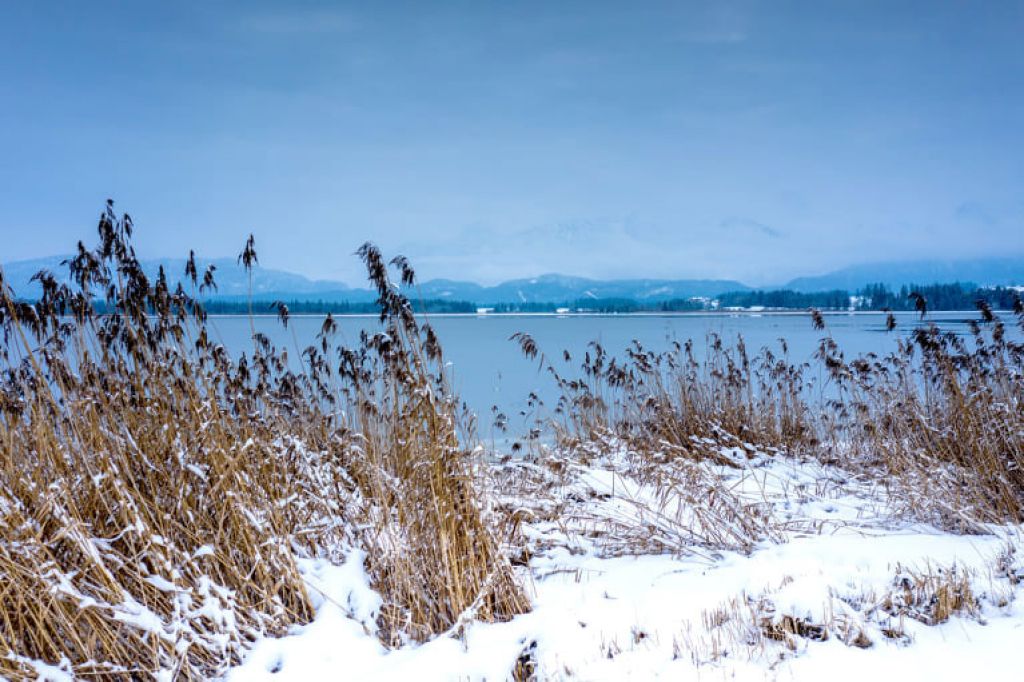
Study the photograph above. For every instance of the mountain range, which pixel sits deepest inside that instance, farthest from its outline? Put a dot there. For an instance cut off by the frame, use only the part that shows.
(980, 271)
(270, 284)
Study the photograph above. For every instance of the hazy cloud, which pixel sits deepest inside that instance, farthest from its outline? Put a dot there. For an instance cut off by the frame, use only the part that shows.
(496, 140)
(745, 225)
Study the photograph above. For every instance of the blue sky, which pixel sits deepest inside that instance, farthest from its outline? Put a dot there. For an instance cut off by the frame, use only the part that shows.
(490, 140)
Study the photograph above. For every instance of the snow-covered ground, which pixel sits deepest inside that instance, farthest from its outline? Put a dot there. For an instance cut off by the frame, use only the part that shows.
(771, 569)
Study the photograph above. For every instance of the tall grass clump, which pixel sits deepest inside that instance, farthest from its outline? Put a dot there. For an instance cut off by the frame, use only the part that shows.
(428, 537)
(939, 421)
(681, 400)
(155, 492)
(943, 417)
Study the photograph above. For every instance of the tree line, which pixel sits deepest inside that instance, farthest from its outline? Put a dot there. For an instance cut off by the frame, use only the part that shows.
(955, 296)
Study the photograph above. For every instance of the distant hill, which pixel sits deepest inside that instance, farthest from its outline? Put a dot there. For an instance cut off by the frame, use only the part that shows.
(232, 280)
(561, 288)
(268, 284)
(981, 271)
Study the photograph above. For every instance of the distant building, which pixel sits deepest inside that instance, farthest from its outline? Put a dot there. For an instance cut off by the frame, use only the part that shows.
(484, 311)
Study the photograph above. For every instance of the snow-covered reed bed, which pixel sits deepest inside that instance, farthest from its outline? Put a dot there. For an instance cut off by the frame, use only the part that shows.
(629, 580)
(940, 421)
(169, 511)
(157, 497)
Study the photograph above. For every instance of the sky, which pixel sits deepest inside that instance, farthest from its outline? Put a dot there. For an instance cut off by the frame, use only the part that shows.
(491, 140)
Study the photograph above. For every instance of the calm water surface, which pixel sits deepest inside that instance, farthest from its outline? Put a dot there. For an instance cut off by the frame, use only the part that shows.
(490, 371)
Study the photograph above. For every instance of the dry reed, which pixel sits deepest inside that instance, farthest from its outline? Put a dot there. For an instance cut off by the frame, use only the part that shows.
(939, 421)
(155, 492)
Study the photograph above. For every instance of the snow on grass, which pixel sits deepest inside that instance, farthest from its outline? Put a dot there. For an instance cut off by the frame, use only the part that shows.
(630, 579)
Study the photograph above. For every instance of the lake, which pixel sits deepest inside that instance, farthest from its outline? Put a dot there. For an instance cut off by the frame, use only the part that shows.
(489, 370)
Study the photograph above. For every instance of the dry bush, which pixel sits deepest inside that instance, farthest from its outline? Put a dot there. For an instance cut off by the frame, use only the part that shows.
(154, 492)
(752, 626)
(930, 597)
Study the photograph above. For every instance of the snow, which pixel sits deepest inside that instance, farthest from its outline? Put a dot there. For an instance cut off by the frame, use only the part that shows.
(46, 672)
(694, 602)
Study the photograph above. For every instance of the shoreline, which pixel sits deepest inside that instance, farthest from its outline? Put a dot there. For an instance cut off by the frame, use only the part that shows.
(702, 313)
